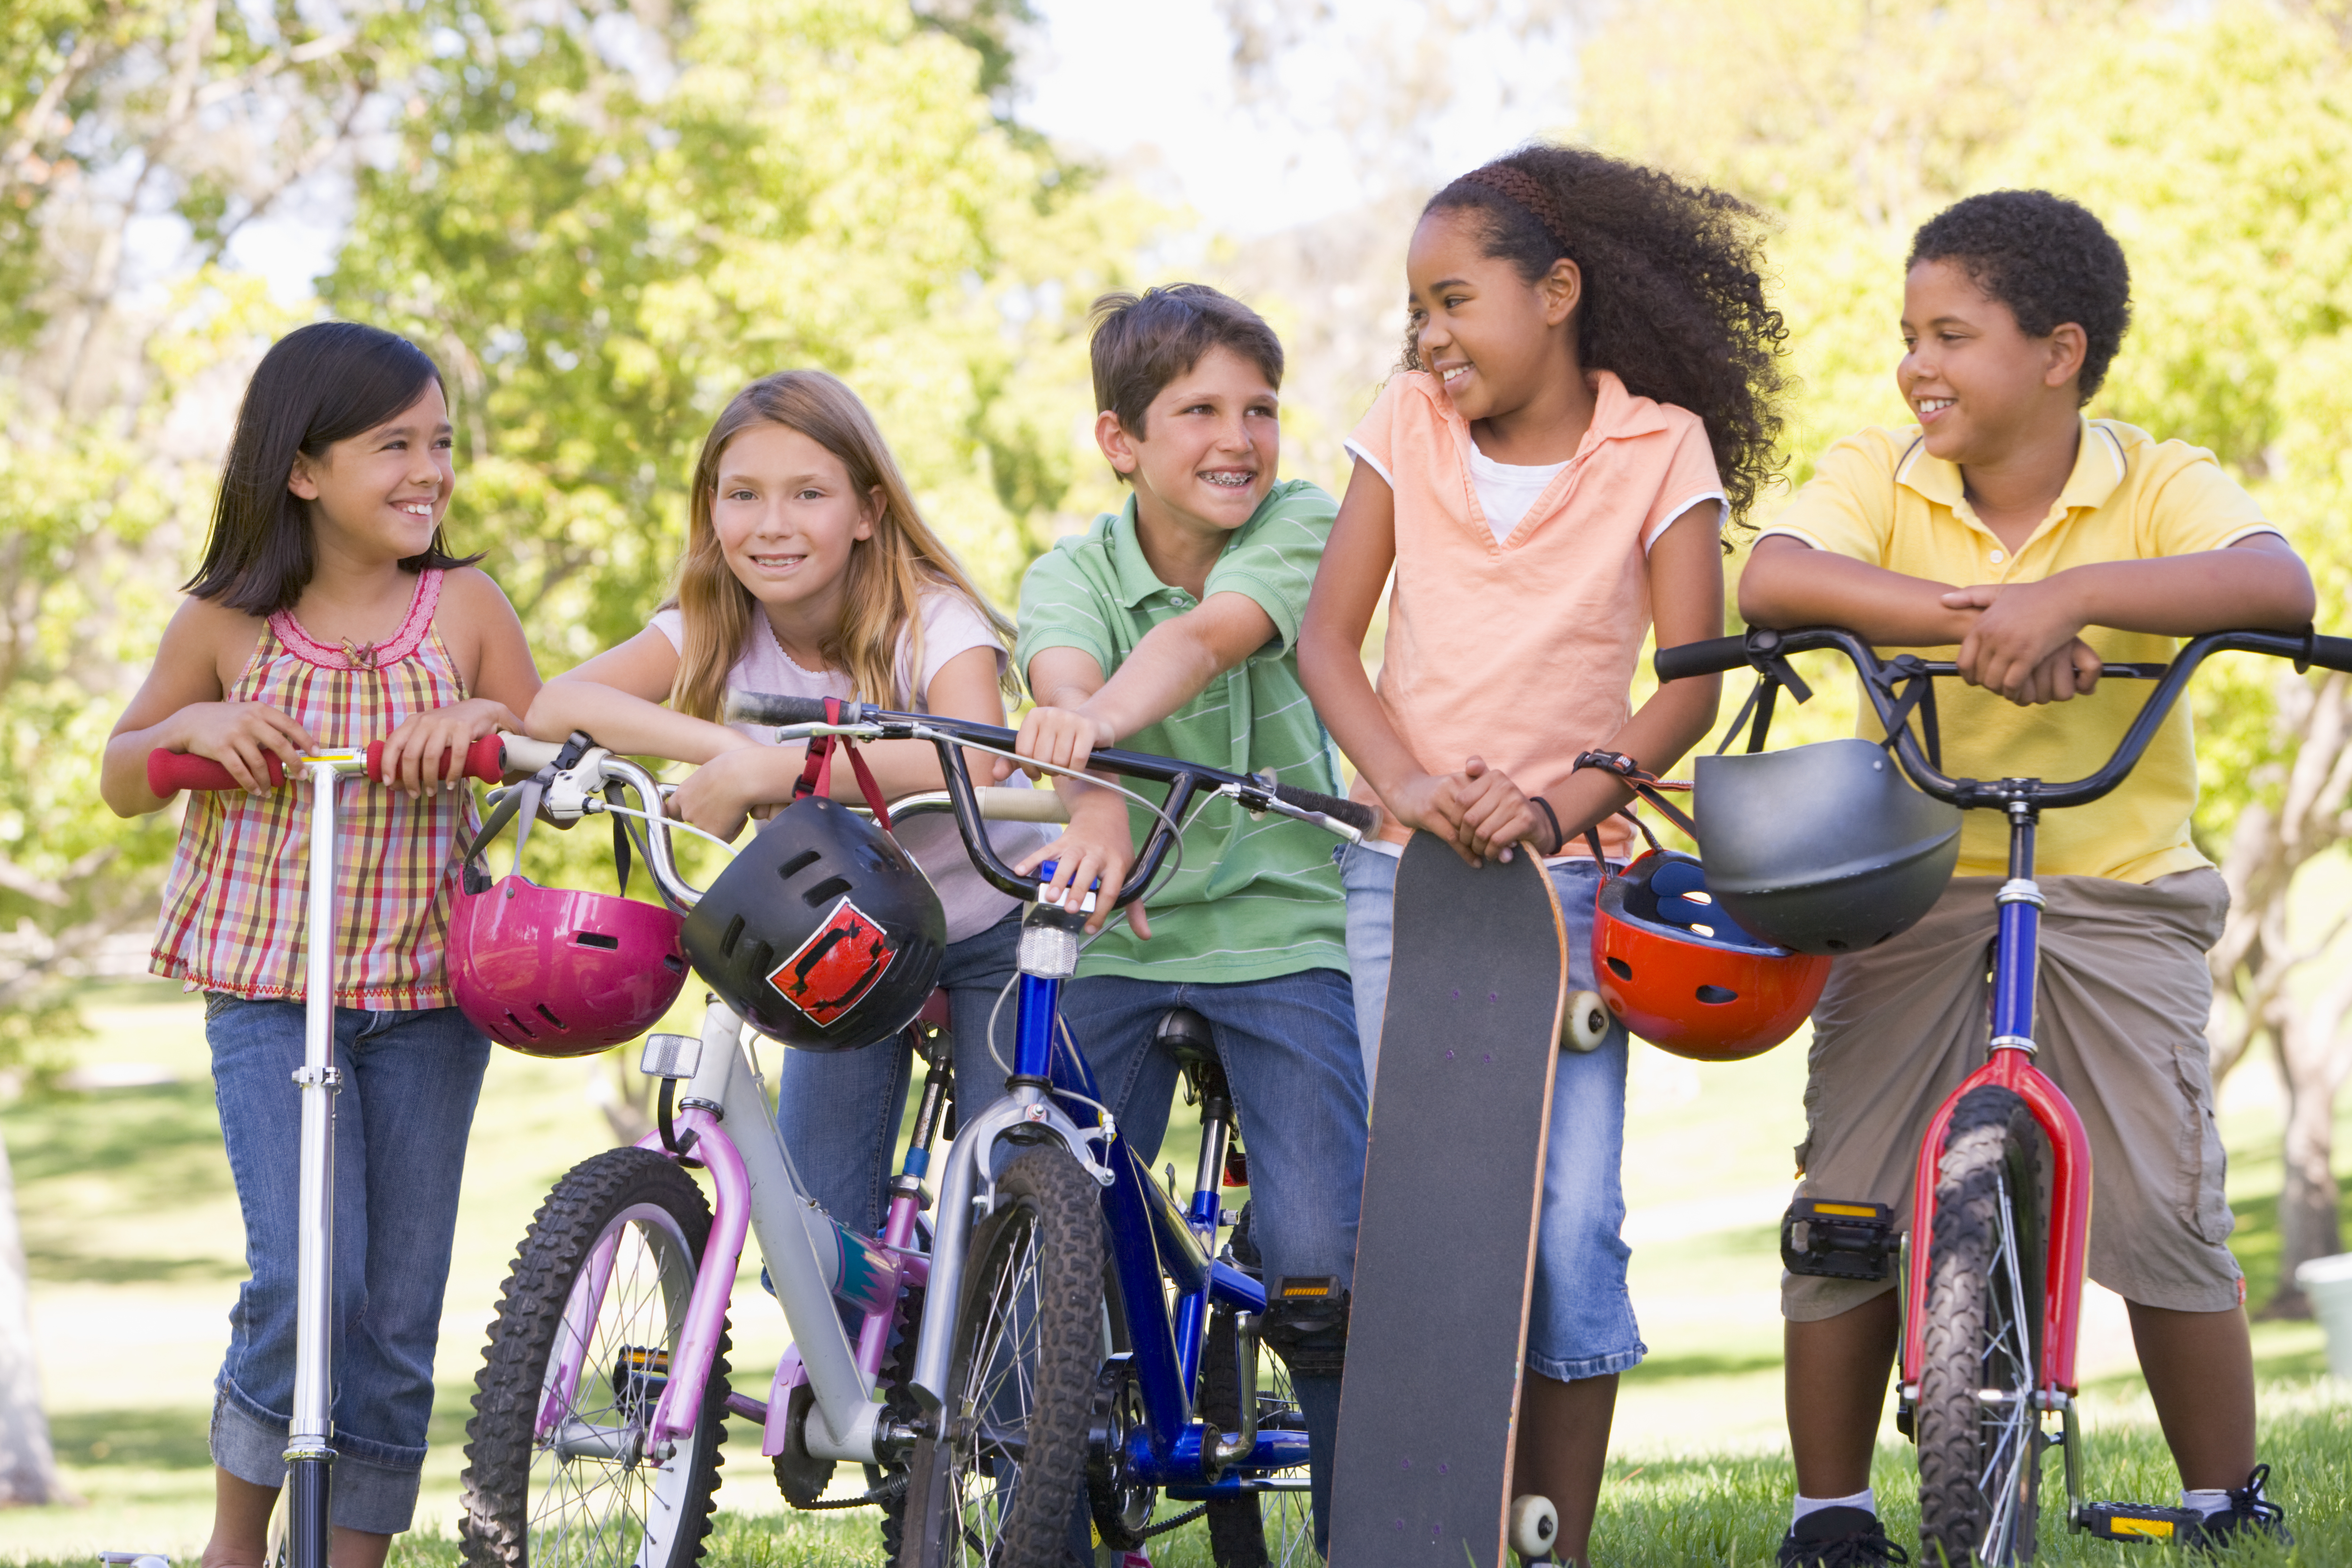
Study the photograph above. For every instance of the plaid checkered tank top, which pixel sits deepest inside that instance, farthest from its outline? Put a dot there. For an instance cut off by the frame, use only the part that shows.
(234, 905)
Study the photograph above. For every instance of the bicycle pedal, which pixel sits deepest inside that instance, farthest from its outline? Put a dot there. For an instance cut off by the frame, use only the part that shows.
(1837, 1238)
(2137, 1522)
(1236, 1168)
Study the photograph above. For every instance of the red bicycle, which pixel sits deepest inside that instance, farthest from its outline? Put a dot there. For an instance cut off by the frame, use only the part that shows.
(1991, 1300)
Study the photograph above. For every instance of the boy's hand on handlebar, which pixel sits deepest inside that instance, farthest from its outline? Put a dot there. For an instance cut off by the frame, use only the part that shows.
(1065, 737)
(1096, 850)
(413, 753)
(240, 736)
(2023, 644)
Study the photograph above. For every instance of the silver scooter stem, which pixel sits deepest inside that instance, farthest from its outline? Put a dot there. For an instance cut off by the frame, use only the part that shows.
(310, 1438)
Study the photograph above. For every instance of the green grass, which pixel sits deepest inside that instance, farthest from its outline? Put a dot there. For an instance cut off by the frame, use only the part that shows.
(132, 1230)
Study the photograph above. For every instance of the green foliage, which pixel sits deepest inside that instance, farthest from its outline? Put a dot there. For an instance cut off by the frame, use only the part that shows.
(600, 257)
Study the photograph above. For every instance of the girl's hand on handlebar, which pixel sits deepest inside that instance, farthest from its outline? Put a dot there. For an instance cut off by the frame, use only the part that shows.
(240, 736)
(2023, 644)
(413, 753)
(1065, 737)
(720, 794)
(1096, 850)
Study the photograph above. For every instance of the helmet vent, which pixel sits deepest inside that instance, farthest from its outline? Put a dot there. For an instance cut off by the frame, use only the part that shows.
(798, 864)
(677, 965)
(596, 938)
(825, 892)
(542, 1012)
(1716, 996)
(734, 934)
(1620, 968)
(522, 1031)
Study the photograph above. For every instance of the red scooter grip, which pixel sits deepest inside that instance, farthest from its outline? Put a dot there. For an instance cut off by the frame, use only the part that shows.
(485, 759)
(169, 773)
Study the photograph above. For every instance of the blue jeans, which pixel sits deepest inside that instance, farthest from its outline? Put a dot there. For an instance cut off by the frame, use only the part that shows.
(839, 1110)
(1289, 1045)
(1581, 1317)
(409, 1083)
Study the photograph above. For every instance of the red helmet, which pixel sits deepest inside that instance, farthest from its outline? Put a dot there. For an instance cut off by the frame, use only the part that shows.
(1682, 975)
(552, 973)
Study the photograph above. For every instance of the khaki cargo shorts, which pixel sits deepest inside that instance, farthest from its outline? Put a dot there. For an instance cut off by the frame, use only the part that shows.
(2120, 1023)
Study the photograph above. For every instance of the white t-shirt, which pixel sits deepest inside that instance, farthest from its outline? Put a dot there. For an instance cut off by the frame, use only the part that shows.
(950, 627)
(1505, 490)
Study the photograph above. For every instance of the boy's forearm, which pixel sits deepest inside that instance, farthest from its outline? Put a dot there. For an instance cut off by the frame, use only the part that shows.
(1167, 670)
(1790, 584)
(2182, 595)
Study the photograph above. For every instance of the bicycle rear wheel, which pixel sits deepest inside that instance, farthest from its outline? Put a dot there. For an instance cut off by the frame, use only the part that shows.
(1001, 1482)
(1980, 1434)
(557, 1472)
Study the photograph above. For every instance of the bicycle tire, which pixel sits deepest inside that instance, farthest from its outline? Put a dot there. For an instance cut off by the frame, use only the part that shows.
(1980, 1435)
(1000, 1481)
(534, 1500)
(1255, 1529)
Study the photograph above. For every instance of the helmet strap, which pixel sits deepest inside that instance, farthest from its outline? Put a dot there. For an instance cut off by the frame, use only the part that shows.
(816, 775)
(1648, 785)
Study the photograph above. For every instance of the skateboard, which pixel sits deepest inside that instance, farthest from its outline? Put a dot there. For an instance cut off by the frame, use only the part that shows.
(1446, 1249)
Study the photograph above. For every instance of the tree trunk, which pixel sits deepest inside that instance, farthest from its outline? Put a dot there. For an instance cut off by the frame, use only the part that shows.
(28, 1470)
(2314, 1054)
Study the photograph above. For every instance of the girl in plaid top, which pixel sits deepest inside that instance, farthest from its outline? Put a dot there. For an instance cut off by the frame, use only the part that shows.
(322, 618)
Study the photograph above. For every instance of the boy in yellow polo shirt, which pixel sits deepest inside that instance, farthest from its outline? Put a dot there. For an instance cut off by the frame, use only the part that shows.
(2029, 543)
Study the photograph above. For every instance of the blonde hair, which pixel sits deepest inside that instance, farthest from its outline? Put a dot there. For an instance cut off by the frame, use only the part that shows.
(886, 578)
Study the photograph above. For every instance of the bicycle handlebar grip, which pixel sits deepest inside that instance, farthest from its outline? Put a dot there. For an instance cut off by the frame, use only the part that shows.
(169, 773)
(2332, 652)
(485, 759)
(1012, 805)
(1713, 657)
(767, 707)
(1356, 814)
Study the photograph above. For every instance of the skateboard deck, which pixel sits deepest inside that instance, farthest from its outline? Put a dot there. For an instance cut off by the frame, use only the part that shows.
(1452, 1186)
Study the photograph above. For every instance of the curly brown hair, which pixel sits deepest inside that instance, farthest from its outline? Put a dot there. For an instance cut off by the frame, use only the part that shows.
(1674, 288)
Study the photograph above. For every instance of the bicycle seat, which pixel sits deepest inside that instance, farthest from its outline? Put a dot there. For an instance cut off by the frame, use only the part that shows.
(1184, 1034)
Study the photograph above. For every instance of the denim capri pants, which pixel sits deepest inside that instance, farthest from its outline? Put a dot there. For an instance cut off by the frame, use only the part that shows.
(1581, 1316)
(410, 1080)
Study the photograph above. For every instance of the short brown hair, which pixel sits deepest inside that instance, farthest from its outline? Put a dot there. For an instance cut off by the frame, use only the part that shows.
(1143, 341)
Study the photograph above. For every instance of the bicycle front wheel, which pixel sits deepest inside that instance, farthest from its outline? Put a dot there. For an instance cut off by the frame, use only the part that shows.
(1980, 1435)
(1000, 1483)
(558, 1471)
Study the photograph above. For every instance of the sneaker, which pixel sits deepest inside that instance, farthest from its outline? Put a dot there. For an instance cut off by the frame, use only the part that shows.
(2249, 1514)
(1839, 1538)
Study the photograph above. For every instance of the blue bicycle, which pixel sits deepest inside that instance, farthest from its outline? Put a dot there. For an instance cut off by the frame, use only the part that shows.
(1032, 1393)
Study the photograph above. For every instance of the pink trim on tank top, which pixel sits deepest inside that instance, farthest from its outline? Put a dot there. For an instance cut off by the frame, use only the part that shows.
(399, 645)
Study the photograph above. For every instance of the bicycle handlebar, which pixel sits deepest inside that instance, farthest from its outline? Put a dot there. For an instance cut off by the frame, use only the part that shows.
(1763, 648)
(489, 759)
(861, 722)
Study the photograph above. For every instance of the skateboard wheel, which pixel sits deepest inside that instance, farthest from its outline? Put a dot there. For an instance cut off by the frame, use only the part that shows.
(1584, 1023)
(1535, 1524)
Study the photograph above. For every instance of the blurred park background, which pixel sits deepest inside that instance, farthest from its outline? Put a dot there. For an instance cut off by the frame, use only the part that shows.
(602, 217)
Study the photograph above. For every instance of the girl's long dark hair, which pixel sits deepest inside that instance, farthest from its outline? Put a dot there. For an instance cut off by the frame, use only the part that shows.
(1674, 288)
(317, 385)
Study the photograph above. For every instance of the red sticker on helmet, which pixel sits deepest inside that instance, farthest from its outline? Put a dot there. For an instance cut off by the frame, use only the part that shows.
(837, 965)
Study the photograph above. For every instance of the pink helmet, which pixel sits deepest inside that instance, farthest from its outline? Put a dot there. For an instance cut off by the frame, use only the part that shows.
(556, 973)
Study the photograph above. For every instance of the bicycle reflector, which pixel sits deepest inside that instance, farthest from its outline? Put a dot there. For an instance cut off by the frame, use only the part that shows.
(1838, 1239)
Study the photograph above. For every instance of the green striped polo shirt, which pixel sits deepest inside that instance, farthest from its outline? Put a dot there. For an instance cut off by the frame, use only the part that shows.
(1256, 897)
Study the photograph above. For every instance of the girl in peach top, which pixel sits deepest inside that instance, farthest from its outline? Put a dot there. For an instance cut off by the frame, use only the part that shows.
(1586, 399)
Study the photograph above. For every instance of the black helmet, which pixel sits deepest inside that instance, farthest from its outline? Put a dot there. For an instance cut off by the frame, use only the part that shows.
(1824, 848)
(823, 934)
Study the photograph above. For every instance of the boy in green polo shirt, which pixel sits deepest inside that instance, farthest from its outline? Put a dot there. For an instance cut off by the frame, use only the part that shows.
(1170, 628)
(2029, 544)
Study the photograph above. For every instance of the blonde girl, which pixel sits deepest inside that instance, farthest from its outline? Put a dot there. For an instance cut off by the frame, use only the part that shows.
(809, 572)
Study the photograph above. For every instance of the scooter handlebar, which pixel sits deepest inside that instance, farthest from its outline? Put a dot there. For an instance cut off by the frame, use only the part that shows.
(489, 759)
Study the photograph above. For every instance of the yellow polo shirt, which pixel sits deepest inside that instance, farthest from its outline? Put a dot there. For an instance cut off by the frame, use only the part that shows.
(1878, 496)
